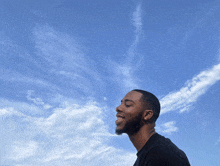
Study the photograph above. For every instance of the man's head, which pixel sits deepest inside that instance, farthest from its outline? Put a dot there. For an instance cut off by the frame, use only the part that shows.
(150, 101)
(137, 108)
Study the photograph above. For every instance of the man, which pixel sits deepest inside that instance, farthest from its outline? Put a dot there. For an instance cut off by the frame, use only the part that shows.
(136, 116)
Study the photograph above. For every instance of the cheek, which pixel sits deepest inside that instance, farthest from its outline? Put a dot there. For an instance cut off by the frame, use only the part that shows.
(129, 117)
(133, 113)
(136, 117)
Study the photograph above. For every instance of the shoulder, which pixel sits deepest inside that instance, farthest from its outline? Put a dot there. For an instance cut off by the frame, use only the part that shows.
(164, 152)
(163, 156)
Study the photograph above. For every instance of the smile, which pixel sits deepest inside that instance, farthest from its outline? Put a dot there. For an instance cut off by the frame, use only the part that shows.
(119, 120)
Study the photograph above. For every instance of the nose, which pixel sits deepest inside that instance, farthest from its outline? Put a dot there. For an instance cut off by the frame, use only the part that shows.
(118, 109)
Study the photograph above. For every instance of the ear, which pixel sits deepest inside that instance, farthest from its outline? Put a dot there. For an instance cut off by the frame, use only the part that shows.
(148, 115)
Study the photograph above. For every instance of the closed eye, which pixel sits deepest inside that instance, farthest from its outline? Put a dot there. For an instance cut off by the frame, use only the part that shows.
(127, 102)
(128, 106)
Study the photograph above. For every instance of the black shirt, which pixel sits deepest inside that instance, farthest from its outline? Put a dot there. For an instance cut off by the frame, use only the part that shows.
(160, 151)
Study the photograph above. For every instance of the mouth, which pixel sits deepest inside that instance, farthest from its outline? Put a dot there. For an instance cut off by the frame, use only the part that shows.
(119, 116)
(119, 120)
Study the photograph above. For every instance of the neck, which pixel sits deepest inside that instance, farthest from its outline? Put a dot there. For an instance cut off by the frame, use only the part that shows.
(140, 138)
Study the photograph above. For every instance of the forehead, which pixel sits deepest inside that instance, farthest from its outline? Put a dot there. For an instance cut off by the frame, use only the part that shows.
(133, 95)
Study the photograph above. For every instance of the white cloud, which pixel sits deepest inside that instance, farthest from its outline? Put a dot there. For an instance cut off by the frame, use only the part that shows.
(11, 50)
(167, 128)
(137, 23)
(37, 101)
(64, 54)
(6, 111)
(14, 76)
(23, 150)
(71, 135)
(57, 48)
(125, 72)
(193, 89)
(137, 20)
(59, 55)
(22, 109)
(65, 57)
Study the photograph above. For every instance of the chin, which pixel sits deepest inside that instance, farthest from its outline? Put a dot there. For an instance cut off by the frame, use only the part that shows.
(119, 131)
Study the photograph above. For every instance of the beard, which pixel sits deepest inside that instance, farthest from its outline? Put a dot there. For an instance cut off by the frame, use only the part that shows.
(131, 127)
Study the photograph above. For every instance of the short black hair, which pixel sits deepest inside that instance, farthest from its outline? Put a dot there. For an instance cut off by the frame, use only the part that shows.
(151, 101)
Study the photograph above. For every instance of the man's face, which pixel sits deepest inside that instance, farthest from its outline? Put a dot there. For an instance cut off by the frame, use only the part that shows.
(129, 114)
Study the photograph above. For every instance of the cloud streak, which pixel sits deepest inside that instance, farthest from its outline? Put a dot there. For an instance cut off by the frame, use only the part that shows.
(137, 20)
(125, 72)
(71, 135)
(14, 76)
(37, 101)
(23, 150)
(193, 89)
(167, 128)
(65, 58)
(137, 23)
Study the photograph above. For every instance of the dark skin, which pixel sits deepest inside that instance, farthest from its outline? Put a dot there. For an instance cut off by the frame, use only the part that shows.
(132, 107)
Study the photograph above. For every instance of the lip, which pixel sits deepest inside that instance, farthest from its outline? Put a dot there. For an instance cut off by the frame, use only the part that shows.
(119, 116)
(119, 120)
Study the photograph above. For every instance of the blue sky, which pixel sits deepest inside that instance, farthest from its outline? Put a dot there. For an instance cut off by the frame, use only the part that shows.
(66, 64)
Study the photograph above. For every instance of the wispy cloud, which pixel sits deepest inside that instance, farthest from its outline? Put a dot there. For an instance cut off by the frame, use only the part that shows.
(37, 101)
(137, 20)
(126, 70)
(57, 61)
(124, 76)
(137, 23)
(167, 128)
(21, 65)
(21, 109)
(71, 135)
(63, 56)
(22, 150)
(58, 49)
(193, 89)
(14, 76)
(6, 111)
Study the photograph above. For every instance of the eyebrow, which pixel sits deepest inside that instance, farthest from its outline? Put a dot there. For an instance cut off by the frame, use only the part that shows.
(127, 100)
